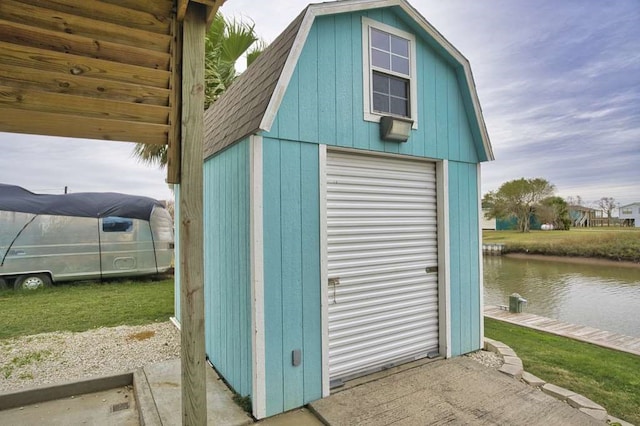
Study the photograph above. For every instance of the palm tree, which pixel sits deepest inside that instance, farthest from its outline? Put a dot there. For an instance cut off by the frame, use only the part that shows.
(225, 42)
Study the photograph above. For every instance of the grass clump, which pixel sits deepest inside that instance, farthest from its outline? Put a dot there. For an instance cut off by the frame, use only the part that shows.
(22, 361)
(608, 377)
(607, 243)
(83, 306)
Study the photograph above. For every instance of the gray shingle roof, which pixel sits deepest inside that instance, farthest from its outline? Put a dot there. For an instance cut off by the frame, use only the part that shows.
(239, 111)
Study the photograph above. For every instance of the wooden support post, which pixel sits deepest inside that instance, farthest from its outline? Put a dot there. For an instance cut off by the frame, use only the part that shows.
(192, 352)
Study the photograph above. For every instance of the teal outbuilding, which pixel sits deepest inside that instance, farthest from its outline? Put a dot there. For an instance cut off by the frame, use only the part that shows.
(333, 248)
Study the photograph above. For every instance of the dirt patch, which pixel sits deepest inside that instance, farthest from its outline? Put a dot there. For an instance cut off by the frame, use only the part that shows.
(573, 259)
(143, 335)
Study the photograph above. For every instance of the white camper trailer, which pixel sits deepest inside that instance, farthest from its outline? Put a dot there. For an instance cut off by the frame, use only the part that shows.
(52, 238)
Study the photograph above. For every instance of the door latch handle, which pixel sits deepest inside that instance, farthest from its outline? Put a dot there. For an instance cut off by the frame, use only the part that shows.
(334, 281)
(431, 269)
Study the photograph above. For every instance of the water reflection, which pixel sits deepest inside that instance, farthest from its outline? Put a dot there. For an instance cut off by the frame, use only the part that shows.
(605, 297)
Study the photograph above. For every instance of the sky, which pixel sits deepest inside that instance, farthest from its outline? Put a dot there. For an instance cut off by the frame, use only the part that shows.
(558, 81)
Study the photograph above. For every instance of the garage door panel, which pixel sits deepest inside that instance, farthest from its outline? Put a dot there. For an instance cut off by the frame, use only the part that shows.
(362, 325)
(379, 295)
(377, 355)
(350, 309)
(373, 271)
(381, 288)
(381, 237)
(366, 284)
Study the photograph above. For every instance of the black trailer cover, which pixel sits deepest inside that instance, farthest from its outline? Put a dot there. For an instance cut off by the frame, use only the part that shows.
(82, 204)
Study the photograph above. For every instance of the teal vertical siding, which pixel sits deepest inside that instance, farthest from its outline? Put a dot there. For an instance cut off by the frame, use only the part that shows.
(465, 264)
(291, 273)
(323, 102)
(227, 265)
(176, 252)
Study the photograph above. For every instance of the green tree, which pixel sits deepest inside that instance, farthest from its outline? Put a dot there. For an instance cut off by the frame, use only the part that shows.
(554, 210)
(225, 42)
(517, 198)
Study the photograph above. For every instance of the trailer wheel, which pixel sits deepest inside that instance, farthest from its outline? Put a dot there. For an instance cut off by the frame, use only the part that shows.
(32, 282)
(3, 284)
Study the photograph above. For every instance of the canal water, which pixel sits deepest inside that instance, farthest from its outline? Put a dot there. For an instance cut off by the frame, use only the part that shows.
(604, 297)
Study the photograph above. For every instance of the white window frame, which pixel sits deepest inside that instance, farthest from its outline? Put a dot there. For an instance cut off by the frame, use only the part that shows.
(369, 113)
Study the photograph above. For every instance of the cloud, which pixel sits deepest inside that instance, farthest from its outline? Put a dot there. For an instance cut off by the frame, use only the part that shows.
(47, 164)
(559, 85)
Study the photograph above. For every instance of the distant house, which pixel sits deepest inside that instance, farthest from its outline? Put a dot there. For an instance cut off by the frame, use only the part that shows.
(489, 224)
(511, 223)
(582, 217)
(334, 246)
(630, 215)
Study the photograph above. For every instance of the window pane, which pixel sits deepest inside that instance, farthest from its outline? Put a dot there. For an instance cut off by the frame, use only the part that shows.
(399, 107)
(379, 39)
(399, 46)
(380, 103)
(398, 87)
(380, 59)
(380, 83)
(400, 65)
(117, 224)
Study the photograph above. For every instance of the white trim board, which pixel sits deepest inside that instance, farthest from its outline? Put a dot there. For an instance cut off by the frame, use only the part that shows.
(480, 260)
(324, 308)
(259, 393)
(444, 257)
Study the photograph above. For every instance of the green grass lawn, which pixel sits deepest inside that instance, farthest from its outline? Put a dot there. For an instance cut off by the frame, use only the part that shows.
(609, 243)
(608, 377)
(83, 306)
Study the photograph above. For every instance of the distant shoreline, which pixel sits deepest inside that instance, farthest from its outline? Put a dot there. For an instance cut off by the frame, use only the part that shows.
(575, 259)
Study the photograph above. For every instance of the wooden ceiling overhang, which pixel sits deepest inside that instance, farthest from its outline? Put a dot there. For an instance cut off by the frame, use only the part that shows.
(96, 69)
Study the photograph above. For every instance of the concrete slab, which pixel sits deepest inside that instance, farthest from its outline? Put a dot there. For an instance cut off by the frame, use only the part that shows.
(164, 381)
(104, 408)
(600, 415)
(301, 417)
(453, 391)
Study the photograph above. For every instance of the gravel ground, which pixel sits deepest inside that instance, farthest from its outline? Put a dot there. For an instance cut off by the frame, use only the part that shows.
(486, 358)
(53, 358)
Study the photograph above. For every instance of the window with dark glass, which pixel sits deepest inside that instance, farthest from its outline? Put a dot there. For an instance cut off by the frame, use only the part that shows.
(117, 224)
(390, 73)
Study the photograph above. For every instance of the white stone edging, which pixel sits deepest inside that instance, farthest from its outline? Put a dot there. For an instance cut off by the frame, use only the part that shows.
(513, 367)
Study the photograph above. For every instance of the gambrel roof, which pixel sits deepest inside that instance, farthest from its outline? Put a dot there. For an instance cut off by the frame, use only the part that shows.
(251, 103)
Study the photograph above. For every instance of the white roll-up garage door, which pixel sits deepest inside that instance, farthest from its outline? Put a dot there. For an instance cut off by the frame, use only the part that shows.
(382, 262)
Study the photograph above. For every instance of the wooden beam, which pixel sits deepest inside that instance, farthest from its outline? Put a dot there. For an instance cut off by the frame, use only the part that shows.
(57, 41)
(42, 59)
(76, 126)
(112, 13)
(36, 100)
(40, 17)
(78, 85)
(212, 8)
(181, 9)
(157, 7)
(175, 102)
(192, 349)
